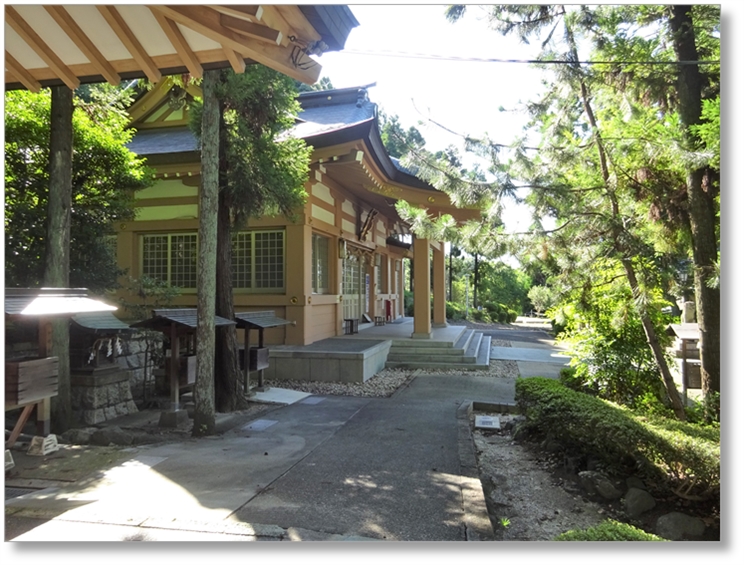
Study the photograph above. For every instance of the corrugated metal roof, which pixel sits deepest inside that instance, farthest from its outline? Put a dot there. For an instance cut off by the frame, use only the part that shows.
(259, 320)
(51, 301)
(101, 322)
(181, 316)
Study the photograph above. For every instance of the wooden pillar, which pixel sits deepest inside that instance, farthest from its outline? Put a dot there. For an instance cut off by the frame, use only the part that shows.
(440, 298)
(299, 283)
(421, 288)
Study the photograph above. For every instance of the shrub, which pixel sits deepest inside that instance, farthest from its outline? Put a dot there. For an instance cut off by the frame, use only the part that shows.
(455, 311)
(681, 457)
(609, 530)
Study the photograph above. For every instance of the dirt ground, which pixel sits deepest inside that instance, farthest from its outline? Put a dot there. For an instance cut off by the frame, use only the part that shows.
(534, 495)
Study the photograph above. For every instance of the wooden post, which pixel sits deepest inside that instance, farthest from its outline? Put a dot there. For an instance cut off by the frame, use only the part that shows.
(440, 299)
(421, 288)
(174, 365)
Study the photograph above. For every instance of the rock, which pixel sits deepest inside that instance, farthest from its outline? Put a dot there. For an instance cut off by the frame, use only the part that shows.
(596, 483)
(677, 526)
(114, 434)
(635, 482)
(76, 436)
(637, 501)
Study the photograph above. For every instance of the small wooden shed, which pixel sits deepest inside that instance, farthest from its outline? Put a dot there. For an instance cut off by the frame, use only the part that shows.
(256, 358)
(32, 380)
(179, 327)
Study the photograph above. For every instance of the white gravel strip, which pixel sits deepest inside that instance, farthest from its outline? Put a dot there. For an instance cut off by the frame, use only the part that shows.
(387, 381)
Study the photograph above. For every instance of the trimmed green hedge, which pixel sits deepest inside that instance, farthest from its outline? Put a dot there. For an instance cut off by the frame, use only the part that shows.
(609, 530)
(682, 456)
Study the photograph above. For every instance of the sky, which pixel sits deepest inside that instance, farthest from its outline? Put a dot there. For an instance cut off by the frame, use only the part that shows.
(464, 96)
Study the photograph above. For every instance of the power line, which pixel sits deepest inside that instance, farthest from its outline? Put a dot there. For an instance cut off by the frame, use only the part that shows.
(405, 55)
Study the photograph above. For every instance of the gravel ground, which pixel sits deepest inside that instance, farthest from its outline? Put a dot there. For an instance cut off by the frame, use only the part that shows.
(387, 381)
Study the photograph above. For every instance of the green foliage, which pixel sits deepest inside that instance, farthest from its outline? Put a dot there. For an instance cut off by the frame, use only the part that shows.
(608, 346)
(542, 298)
(397, 140)
(680, 457)
(151, 293)
(262, 172)
(501, 284)
(455, 311)
(105, 175)
(609, 530)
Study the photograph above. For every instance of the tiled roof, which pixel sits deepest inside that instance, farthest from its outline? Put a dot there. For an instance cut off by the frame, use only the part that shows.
(51, 301)
(160, 141)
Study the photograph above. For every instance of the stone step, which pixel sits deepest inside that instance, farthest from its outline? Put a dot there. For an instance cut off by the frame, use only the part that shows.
(464, 340)
(436, 366)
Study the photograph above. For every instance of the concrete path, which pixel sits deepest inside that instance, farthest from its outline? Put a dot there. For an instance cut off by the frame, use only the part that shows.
(534, 350)
(321, 468)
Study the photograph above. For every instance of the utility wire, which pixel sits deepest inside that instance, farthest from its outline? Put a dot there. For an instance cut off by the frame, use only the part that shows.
(405, 55)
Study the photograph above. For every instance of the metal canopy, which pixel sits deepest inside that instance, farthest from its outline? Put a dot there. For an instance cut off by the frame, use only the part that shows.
(185, 317)
(101, 322)
(259, 320)
(51, 302)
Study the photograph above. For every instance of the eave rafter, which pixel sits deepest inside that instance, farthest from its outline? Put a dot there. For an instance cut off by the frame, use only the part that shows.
(57, 43)
(32, 39)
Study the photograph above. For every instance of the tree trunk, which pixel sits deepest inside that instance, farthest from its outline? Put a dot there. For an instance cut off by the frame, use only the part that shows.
(204, 408)
(648, 327)
(656, 349)
(475, 283)
(57, 252)
(700, 204)
(229, 392)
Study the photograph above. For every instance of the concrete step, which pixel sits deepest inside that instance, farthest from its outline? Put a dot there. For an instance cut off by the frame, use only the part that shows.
(477, 356)
(426, 358)
(464, 340)
(471, 353)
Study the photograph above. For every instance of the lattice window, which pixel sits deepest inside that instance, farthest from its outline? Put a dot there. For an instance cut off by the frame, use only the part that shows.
(321, 265)
(258, 261)
(170, 258)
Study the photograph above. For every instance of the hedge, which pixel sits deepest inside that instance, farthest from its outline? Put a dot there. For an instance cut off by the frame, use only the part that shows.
(683, 457)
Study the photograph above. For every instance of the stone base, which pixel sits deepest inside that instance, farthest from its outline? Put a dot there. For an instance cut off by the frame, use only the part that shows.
(421, 335)
(102, 394)
(173, 418)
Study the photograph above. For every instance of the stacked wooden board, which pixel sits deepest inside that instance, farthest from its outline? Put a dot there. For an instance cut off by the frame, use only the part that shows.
(30, 380)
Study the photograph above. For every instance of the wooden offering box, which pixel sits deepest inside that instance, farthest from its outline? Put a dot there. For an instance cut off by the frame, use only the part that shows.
(30, 380)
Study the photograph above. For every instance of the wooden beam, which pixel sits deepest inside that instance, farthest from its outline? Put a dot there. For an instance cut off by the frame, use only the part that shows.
(249, 29)
(253, 12)
(21, 74)
(356, 157)
(297, 21)
(272, 18)
(236, 61)
(81, 41)
(149, 100)
(179, 43)
(42, 49)
(125, 35)
(206, 21)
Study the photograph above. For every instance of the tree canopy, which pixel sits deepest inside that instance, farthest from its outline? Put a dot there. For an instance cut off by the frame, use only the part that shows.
(105, 175)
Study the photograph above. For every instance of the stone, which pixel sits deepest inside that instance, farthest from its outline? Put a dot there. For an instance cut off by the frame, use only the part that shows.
(111, 435)
(677, 526)
(635, 482)
(76, 436)
(637, 501)
(596, 483)
(173, 418)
